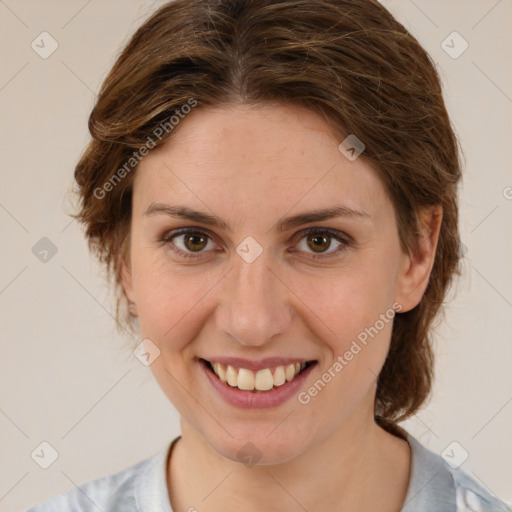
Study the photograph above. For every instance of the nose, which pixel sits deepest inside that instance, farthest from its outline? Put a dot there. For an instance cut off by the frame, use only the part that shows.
(254, 305)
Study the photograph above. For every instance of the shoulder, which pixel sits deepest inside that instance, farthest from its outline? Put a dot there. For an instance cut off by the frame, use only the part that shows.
(471, 496)
(119, 492)
(111, 492)
(435, 485)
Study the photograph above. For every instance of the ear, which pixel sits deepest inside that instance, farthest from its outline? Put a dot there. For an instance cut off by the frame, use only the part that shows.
(127, 283)
(417, 265)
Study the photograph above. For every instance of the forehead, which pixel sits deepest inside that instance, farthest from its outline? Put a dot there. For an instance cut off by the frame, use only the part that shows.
(266, 154)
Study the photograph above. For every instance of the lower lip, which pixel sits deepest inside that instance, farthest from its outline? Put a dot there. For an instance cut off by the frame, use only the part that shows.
(257, 399)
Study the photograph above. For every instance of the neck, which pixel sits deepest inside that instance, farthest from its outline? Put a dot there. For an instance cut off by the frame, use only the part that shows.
(358, 467)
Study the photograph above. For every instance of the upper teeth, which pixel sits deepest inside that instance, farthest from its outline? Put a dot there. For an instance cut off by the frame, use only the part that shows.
(262, 380)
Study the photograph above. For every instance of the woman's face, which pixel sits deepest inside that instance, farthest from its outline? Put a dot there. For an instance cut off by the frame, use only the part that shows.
(251, 281)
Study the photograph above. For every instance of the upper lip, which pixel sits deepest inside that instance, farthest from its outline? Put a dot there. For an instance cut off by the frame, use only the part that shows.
(268, 362)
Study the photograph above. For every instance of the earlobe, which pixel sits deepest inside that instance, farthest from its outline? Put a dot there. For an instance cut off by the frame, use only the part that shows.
(417, 265)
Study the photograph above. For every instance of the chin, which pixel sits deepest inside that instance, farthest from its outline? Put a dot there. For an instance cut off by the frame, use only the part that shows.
(259, 446)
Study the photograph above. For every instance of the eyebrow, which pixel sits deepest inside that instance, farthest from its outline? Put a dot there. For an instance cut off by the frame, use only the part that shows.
(184, 212)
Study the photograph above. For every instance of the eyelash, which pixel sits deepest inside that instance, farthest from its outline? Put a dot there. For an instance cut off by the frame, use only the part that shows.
(342, 238)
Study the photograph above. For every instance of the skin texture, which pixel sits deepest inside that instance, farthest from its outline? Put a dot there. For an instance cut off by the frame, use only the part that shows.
(252, 166)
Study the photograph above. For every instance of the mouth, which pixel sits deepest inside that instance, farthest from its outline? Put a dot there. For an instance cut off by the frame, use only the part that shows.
(257, 381)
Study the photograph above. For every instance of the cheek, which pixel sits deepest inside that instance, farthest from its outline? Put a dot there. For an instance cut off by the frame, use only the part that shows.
(172, 307)
(347, 377)
(169, 301)
(351, 315)
(346, 300)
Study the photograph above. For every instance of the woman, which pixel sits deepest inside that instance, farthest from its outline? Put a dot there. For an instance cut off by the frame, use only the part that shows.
(273, 185)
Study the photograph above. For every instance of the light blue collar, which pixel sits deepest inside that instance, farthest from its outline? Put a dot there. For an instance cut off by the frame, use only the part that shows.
(431, 485)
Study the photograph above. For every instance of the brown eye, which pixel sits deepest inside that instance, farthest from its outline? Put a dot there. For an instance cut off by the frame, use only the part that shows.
(318, 242)
(195, 241)
(322, 243)
(188, 243)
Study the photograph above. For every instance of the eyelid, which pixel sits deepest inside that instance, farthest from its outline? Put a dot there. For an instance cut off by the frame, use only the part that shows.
(338, 235)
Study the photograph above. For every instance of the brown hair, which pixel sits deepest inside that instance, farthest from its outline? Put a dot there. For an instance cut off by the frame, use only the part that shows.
(348, 60)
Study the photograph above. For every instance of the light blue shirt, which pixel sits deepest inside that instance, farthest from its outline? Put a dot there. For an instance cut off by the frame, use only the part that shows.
(433, 487)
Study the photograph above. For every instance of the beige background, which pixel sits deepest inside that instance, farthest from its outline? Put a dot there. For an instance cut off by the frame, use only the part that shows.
(66, 376)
